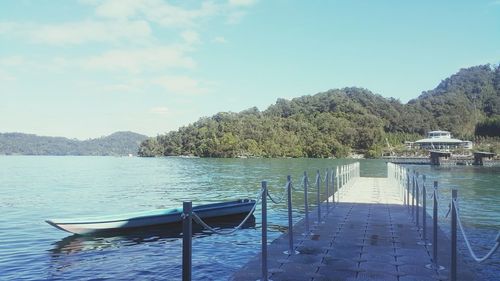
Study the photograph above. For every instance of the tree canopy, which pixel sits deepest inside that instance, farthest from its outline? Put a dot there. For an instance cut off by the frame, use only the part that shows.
(338, 122)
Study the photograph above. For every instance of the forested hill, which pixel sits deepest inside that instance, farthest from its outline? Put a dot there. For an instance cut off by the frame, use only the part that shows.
(460, 102)
(116, 144)
(342, 121)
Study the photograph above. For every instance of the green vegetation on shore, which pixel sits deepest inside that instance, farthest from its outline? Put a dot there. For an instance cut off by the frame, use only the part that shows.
(339, 122)
(116, 144)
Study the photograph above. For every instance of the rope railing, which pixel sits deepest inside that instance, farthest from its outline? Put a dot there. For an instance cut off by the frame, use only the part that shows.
(305, 181)
(410, 185)
(339, 180)
(200, 221)
(293, 187)
(281, 198)
(472, 253)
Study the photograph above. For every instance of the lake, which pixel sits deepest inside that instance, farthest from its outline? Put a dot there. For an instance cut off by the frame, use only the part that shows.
(33, 189)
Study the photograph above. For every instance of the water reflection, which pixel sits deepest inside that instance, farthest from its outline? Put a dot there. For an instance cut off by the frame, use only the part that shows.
(164, 233)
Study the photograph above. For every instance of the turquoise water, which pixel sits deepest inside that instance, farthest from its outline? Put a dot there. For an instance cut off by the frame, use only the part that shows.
(33, 189)
(479, 205)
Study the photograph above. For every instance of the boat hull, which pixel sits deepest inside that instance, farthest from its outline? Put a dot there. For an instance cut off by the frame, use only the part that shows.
(150, 218)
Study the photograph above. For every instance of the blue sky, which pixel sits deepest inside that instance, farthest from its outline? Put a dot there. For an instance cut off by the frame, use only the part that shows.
(84, 69)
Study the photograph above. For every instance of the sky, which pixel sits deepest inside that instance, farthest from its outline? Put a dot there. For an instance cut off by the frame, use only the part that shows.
(85, 69)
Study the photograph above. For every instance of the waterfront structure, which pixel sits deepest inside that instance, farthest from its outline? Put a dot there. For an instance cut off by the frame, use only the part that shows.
(368, 235)
(439, 140)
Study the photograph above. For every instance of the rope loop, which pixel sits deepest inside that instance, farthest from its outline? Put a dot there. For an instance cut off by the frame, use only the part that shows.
(198, 220)
(448, 212)
(293, 188)
(282, 197)
(471, 252)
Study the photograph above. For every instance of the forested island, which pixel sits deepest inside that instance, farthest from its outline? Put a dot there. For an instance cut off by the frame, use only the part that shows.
(341, 122)
(116, 144)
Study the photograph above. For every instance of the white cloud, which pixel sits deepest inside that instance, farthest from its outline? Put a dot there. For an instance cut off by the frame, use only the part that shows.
(127, 21)
(139, 60)
(4, 76)
(219, 40)
(181, 85)
(12, 61)
(157, 11)
(160, 110)
(191, 37)
(235, 17)
(242, 2)
(79, 32)
(127, 86)
(141, 39)
(14, 64)
(121, 9)
(7, 27)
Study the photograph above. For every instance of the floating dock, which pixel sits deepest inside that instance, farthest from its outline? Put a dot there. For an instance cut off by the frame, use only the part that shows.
(442, 158)
(368, 235)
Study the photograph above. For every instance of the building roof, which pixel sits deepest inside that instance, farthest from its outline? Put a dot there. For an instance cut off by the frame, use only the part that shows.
(447, 132)
(439, 140)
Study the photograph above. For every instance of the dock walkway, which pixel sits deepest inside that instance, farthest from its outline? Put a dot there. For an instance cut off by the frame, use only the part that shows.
(369, 235)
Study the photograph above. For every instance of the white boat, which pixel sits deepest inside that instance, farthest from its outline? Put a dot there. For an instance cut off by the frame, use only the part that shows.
(149, 218)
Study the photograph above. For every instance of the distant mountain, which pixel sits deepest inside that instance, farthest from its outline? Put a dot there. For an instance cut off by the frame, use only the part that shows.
(342, 121)
(116, 144)
(458, 103)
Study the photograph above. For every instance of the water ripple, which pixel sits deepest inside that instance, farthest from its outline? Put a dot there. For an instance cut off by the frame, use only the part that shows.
(33, 189)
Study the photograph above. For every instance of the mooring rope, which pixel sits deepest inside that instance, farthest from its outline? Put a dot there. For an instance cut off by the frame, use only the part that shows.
(293, 188)
(448, 212)
(208, 227)
(282, 197)
(473, 255)
(304, 180)
(318, 178)
(430, 195)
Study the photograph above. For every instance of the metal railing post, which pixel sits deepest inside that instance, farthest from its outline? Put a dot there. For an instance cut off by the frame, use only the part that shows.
(327, 179)
(453, 265)
(332, 175)
(407, 187)
(187, 210)
(264, 231)
(417, 195)
(347, 173)
(337, 181)
(337, 177)
(434, 265)
(341, 177)
(291, 251)
(424, 210)
(402, 183)
(435, 226)
(318, 199)
(344, 173)
(306, 204)
(413, 197)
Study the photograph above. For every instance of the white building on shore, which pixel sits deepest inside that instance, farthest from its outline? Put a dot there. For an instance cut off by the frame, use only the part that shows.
(440, 140)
